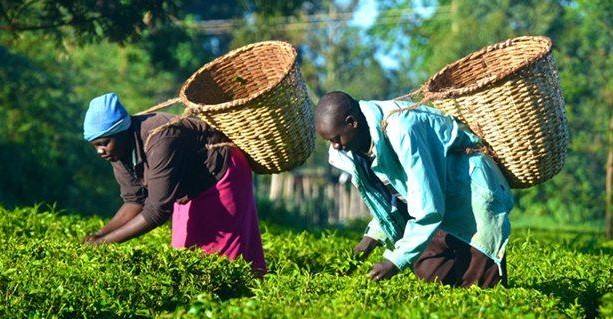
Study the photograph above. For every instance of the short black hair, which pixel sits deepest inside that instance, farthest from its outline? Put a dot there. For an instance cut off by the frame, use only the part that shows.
(335, 106)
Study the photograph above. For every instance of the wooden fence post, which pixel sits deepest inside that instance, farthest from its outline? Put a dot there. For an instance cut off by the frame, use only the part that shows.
(288, 187)
(276, 186)
(332, 204)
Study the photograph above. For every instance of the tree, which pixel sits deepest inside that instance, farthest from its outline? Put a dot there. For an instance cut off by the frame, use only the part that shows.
(84, 20)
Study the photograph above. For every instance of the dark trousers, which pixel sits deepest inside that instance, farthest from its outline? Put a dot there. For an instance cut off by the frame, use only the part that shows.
(453, 262)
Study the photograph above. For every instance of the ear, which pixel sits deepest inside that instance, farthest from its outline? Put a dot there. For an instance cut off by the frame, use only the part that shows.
(351, 121)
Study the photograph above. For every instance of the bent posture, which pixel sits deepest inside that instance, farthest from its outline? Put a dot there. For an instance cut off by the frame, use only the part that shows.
(170, 171)
(455, 226)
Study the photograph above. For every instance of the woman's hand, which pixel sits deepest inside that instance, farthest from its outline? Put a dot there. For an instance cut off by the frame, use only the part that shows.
(135, 227)
(91, 238)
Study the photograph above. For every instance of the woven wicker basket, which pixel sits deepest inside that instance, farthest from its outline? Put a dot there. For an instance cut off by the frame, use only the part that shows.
(257, 97)
(509, 94)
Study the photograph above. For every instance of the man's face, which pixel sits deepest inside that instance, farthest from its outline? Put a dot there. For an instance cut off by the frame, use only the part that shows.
(111, 148)
(342, 135)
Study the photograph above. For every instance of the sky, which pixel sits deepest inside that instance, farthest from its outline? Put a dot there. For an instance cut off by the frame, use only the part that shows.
(364, 17)
(366, 14)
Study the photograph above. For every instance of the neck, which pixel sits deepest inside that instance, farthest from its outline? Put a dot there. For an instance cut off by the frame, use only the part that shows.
(128, 142)
(363, 134)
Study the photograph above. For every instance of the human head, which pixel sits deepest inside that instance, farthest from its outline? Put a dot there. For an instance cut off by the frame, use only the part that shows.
(106, 126)
(339, 120)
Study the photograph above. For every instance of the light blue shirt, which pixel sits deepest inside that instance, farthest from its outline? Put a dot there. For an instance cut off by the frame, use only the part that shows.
(422, 155)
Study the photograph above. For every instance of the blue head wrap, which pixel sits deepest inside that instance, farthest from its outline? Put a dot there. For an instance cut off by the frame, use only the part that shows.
(105, 116)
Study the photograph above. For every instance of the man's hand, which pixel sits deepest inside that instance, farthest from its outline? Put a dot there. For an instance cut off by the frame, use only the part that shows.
(383, 270)
(363, 249)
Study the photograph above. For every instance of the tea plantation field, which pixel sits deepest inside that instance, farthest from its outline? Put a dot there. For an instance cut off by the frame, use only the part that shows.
(45, 272)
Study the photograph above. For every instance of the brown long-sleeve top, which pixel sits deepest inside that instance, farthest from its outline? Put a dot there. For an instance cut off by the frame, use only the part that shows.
(175, 165)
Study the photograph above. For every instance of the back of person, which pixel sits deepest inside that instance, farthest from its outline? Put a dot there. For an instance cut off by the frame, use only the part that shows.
(202, 165)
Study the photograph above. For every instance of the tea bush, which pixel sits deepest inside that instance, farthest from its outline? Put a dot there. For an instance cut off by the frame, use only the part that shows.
(552, 275)
(46, 272)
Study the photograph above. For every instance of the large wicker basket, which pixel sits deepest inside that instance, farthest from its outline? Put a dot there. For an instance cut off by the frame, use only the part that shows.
(509, 94)
(257, 97)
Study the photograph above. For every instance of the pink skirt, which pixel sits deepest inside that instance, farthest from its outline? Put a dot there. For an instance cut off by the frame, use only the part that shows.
(223, 219)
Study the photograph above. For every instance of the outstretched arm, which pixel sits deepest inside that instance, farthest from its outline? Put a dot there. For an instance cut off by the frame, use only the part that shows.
(124, 214)
(166, 165)
(133, 228)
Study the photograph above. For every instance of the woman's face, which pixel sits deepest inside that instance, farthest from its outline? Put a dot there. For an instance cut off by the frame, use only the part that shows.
(112, 148)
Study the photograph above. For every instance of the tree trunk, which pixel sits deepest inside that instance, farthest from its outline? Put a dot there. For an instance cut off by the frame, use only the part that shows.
(355, 204)
(346, 195)
(307, 189)
(332, 203)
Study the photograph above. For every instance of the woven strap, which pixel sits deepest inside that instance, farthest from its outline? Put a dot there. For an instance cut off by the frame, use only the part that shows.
(219, 145)
(160, 106)
(177, 121)
(410, 95)
(408, 108)
(427, 96)
(174, 121)
(484, 149)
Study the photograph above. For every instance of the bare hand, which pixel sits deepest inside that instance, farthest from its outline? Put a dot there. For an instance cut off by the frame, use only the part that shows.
(383, 270)
(92, 239)
(363, 249)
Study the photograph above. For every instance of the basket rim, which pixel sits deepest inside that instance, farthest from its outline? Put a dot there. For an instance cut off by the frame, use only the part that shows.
(225, 106)
(455, 92)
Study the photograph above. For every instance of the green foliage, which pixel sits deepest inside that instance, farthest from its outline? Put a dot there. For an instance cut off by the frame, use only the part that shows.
(37, 138)
(42, 105)
(606, 308)
(552, 275)
(47, 272)
(294, 254)
(86, 21)
(128, 71)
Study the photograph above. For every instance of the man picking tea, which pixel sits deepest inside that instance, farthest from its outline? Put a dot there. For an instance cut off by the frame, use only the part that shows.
(455, 226)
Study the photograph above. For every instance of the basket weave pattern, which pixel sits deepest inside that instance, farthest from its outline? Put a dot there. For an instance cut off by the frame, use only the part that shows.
(257, 97)
(509, 95)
